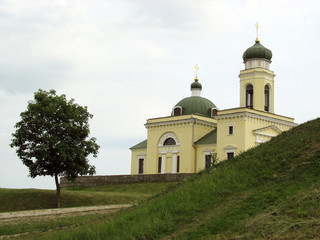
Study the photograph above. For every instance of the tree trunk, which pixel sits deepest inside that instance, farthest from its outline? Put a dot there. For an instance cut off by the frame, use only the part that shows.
(58, 189)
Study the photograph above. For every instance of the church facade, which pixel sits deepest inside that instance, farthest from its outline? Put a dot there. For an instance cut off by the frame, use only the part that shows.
(197, 131)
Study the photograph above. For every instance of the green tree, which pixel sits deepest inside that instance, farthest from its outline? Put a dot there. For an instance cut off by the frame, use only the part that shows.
(51, 139)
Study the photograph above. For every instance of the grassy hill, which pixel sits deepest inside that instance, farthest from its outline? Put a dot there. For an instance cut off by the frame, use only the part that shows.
(269, 192)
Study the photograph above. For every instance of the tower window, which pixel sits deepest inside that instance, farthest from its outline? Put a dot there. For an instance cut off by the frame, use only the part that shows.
(266, 98)
(249, 96)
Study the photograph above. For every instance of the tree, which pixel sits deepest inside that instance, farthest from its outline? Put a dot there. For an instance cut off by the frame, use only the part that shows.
(51, 138)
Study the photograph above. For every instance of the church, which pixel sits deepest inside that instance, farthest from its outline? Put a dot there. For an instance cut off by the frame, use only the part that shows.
(197, 131)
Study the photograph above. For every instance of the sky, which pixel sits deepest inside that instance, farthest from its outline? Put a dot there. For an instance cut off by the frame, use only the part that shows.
(132, 60)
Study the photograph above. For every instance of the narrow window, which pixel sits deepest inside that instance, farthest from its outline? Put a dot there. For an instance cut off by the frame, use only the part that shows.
(178, 164)
(208, 162)
(230, 130)
(266, 98)
(159, 164)
(249, 96)
(230, 155)
(141, 161)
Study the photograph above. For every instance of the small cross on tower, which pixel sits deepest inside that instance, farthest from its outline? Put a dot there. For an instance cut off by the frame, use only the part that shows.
(257, 29)
(197, 68)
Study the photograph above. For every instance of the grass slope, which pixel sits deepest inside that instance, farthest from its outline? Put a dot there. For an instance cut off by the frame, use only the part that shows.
(30, 199)
(270, 192)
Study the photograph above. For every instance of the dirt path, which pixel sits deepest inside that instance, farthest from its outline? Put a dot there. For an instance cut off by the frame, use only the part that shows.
(45, 214)
(57, 211)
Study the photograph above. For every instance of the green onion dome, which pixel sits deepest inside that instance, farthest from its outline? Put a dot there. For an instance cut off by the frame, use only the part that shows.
(196, 105)
(257, 51)
(196, 84)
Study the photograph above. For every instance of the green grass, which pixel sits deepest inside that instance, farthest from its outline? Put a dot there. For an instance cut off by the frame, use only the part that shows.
(29, 199)
(44, 224)
(270, 192)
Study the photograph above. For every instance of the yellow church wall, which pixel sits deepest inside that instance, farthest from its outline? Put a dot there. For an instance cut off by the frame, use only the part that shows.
(244, 122)
(188, 129)
(230, 142)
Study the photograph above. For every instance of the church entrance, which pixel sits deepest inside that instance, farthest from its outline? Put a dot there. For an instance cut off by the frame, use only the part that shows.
(168, 149)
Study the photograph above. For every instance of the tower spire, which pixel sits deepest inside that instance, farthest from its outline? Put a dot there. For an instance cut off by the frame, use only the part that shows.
(257, 30)
(197, 68)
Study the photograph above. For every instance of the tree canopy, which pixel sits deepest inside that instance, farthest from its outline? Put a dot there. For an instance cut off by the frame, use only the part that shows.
(51, 138)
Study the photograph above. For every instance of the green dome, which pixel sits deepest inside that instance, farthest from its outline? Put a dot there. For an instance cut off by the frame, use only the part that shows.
(196, 105)
(257, 51)
(196, 84)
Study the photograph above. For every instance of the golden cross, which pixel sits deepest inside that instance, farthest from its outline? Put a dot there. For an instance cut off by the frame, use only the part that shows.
(257, 28)
(197, 68)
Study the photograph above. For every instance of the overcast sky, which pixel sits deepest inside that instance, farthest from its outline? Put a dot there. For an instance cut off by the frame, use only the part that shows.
(131, 60)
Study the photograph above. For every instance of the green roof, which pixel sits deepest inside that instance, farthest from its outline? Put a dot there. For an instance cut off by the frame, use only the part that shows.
(142, 145)
(257, 51)
(210, 138)
(196, 105)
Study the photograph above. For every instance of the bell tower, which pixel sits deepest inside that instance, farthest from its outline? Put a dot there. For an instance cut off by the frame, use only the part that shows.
(257, 80)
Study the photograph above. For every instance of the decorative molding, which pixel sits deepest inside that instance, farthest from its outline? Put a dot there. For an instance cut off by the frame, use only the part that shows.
(142, 155)
(166, 136)
(249, 116)
(208, 150)
(258, 131)
(230, 148)
(179, 124)
(264, 137)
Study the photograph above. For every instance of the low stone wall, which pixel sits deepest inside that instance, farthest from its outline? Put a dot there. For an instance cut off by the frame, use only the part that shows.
(88, 181)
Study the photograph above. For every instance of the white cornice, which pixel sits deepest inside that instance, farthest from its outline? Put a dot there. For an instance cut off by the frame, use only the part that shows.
(247, 114)
(180, 122)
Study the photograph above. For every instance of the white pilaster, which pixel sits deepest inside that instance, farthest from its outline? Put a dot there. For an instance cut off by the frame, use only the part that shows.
(163, 163)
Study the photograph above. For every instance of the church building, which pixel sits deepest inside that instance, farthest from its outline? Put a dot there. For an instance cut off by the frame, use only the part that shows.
(198, 131)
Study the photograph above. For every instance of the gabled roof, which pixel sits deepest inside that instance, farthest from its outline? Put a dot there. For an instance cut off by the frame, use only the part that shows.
(210, 138)
(142, 145)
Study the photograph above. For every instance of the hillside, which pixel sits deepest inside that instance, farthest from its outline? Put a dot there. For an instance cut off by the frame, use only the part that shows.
(269, 192)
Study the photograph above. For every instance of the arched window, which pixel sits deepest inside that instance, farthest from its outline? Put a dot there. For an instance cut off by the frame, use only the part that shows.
(177, 111)
(266, 98)
(214, 112)
(169, 141)
(249, 96)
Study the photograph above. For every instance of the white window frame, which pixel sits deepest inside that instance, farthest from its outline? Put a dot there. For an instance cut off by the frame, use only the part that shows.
(141, 156)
